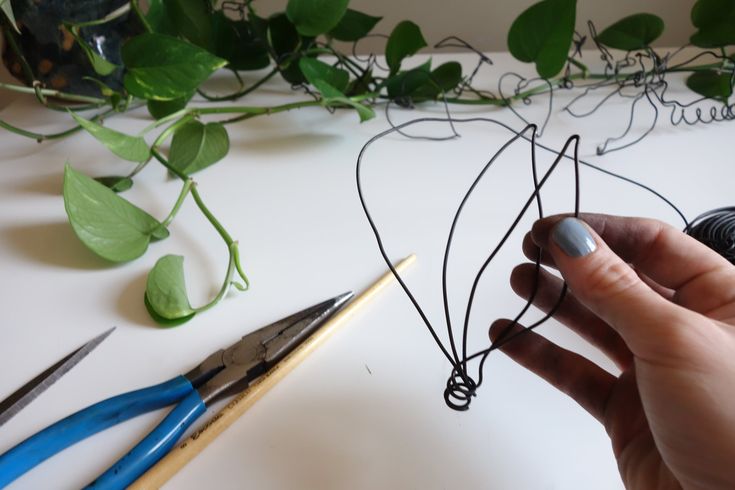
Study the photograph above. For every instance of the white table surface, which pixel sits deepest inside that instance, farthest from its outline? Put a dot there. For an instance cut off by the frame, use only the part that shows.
(366, 410)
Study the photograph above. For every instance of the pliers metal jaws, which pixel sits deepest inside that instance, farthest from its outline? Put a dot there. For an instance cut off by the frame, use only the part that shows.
(220, 374)
(231, 370)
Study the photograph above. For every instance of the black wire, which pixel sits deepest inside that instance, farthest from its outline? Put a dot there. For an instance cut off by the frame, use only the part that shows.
(638, 76)
(644, 71)
(461, 387)
(716, 229)
(456, 392)
(521, 85)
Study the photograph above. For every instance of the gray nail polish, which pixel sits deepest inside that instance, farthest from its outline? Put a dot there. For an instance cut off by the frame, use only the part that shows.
(573, 238)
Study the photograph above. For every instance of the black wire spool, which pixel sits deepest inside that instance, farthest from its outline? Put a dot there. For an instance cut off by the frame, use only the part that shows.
(716, 229)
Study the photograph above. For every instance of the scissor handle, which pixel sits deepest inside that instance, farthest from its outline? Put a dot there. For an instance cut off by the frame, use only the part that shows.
(84, 423)
(155, 445)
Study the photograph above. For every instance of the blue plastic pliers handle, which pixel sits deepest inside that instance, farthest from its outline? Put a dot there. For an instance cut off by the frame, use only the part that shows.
(223, 373)
(107, 413)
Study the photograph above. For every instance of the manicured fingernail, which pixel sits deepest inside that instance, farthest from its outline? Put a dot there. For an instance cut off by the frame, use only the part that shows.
(573, 238)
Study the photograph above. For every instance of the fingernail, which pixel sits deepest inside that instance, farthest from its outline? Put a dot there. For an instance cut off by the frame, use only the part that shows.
(573, 238)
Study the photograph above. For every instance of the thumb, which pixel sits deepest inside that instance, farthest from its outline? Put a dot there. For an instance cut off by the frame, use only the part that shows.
(611, 289)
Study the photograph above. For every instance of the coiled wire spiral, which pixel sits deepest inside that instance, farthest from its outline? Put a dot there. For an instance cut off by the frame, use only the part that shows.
(716, 229)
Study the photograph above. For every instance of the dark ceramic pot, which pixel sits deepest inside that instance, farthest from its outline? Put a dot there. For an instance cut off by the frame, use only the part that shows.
(50, 50)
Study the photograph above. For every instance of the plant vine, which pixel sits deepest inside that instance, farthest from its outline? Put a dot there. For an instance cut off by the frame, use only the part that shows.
(183, 42)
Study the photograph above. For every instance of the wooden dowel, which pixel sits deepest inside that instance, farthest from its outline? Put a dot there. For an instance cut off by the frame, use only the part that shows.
(170, 464)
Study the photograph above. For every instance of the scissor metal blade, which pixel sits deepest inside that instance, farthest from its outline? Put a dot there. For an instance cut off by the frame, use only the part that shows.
(29, 391)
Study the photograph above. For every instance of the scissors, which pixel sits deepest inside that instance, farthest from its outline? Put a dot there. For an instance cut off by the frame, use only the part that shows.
(223, 373)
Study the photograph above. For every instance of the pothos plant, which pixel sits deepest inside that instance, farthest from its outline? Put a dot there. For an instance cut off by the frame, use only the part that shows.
(183, 42)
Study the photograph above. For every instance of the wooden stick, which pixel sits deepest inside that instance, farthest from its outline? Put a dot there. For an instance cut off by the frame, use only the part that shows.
(178, 457)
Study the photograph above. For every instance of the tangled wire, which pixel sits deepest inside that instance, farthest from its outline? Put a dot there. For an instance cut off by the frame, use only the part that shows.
(716, 229)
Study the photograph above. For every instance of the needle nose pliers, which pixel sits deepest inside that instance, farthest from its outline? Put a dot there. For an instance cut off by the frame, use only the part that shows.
(223, 373)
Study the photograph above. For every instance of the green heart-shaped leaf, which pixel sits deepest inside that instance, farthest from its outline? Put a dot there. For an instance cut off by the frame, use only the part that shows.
(107, 224)
(407, 82)
(422, 83)
(405, 40)
(192, 20)
(314, 17)
(99, 64)
(712, 84)
(333, 97)
(132, 148)
(282, 34)
(354, 26)
(284, 40)
(314, 70)
(236, 42)
(633, 32)
(164, 322)
(116, 183)
(162, 108)
(196, 146)
(161, 67)
(159, 18)
(442, 79)
(364, 83)
(165, 292)
(715, 20)
(7, 9)
(543, 34)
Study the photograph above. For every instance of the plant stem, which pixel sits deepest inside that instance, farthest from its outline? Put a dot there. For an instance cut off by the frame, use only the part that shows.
(236, 258)
(136, 8)
(254, 110)
(36, 87)
(77, 108)
(247, 111)
(241, 93)
(179, 201)
(161, 138)
(197, 198)
(28, 134)
(554, 82)
(39, 137)
(206, 212)
(581, 66)
(163, 120)
(712, 66)
(118, 12)
(232, 246)
(53, 93)
(250, 112)
(225, 284)
(171, 129)
(354, 68)
(27, 71)
(157, 155)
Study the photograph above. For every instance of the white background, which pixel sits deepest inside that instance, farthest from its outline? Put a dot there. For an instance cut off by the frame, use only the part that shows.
(366, 410)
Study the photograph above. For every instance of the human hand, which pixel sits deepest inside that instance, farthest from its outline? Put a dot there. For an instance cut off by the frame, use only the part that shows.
(668, 323)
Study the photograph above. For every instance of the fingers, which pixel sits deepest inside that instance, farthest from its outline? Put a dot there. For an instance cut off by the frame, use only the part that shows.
(582, 380)
(611, 289)
(531, 251)
(662, 291)
(573, 314)
(702, 280)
